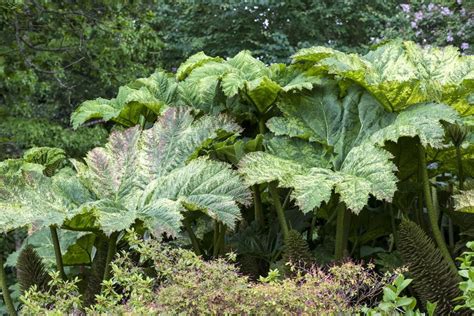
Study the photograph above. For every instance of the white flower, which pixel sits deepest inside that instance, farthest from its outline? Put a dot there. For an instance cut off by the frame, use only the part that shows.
(405, 7)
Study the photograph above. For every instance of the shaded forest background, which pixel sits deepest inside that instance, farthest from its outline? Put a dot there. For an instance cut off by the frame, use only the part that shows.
(54, 55)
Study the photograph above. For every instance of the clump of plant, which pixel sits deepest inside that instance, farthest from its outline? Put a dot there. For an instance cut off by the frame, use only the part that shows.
(394, 304)
(466, 271)
(156, 278)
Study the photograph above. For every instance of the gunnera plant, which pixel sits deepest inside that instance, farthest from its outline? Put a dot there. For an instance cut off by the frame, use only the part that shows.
(434, 281)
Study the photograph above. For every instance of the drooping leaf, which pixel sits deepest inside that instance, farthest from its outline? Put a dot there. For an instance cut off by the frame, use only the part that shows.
(422, 120)
(328, 149)
(192, 62)
(401, 74)
(40, 201)
(464, 201)
(145, 98)
(366, 170)
(147, 176)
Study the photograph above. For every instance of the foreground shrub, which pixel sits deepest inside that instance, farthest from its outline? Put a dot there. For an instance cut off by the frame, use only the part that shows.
(467, 273)
(154, 278)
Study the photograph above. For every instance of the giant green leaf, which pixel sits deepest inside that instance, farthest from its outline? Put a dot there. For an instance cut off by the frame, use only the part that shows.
(401, 74)
(145, 98)
(176, 135)
(242, 76)
(146, 176)
(40, 201)
(323, 116)
(327, 149)
(204, 185)
(192, 62)
(422, 120)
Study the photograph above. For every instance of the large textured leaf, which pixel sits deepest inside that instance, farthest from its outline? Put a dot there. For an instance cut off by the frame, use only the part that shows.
(192, 62)
(328, 149)
(261, 167)
(112, 170)
(145, 98)
(322, 116)
(145, 176)
(400, 74)
(244, 69)
(366, 170)
(208, 80)
(204, 185)
(292, 78)
(176, 135)
(422, 120)
(200, 89)
(464, 202)
(40, 201)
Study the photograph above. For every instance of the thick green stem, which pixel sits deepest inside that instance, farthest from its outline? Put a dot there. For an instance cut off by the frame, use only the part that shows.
(432, 211)
(450, 233)
(261, 126)
(340, 232)
(222, 238)
(6, 293)
(279, 209)
(110, 254)
(309, 237)
(258, 205)
(192, 236)
(219, 235)
(215, 239)
(460, 167)
(57, 251)
(392, 222)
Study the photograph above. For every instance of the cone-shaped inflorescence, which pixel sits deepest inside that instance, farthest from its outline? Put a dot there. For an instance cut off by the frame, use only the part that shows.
(433, 281)
(31, 270)
(296, 250)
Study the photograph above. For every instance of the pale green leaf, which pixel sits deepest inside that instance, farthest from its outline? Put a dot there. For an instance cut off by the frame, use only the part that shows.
(307, 154)
(145, 97)
(366, 170)
(293, 78)
(401, 74)
(422, 120)
(262, 167)
(464, 201)
(192, 62)
(263, 92)
(40, 201)
(176, 135)
(204, 185)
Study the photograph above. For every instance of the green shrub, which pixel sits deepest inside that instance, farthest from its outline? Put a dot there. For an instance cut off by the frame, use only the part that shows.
(466, 270)
(154, 278)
